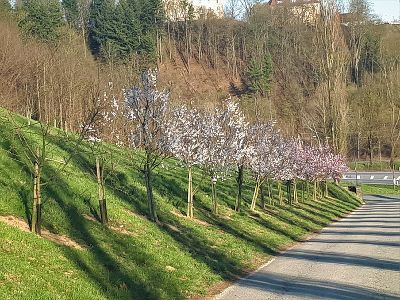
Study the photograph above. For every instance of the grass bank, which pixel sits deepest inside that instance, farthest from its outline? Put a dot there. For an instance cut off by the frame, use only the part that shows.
(134, 258)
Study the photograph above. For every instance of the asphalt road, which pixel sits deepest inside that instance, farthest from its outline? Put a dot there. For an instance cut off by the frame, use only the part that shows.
(355, 258)
(372, 177)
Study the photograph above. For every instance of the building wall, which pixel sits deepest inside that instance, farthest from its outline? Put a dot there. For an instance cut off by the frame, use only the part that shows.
(177, 10)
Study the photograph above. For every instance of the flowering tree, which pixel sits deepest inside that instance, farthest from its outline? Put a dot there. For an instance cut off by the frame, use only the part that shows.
(185, 134)
(146, 112)
(332, 165)
(104, 127)
(216, 160)
(237, 142)
(265, 160)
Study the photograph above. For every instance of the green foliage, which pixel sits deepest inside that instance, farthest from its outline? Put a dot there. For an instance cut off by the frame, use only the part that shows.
(371, 53)
(259, 76)
(380, 189)
(134, 258)
(5, 6)
(41, 19)
(120, 30)
(376, 165)
(71, 10)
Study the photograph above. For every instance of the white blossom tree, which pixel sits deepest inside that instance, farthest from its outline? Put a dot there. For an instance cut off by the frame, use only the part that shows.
(146, 112)
(216, 160)
(185, 134)
(237, 142)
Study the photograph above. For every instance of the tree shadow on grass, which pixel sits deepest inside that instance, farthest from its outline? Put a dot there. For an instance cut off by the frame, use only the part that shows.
(328, 209)
(296, 218)
(230, 228)
(116, 276)
(298, 211)
(122, 187)
(17, 153)
(202, 251)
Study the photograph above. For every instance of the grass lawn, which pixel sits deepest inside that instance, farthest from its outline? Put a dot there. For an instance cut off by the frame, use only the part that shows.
(379, 189)
(365, 165)
(134, 258)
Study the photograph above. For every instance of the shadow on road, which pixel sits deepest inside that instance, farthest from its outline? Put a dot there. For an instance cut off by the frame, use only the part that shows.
(304, 287)
(343, 259)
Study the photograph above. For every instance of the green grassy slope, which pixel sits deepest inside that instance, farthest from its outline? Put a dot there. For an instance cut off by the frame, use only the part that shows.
(135, 258)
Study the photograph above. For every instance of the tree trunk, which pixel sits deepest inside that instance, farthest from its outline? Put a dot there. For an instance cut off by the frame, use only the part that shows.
(370, 148)
(255, 194)
(315, 191)
(189, 212)
(270, 193)
(239, 181)
(280, 192)
(288, 191)
(326, 189)
(37, 202)
(214, 197)
(262, 195)
(295, 199)
(101, 192)
(149, 190)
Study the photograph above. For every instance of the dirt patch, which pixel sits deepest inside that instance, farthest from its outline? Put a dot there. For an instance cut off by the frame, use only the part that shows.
(121, 229)
(198, 221)
(118, 228)
(172, 227)
(59, 239)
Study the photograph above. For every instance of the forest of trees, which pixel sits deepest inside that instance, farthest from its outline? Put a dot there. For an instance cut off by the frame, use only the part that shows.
(334, 78)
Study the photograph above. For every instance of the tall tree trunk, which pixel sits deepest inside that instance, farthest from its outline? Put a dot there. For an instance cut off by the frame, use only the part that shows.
(37, 202)
(255, 194)
(262, 195)
(315, 191)
(149, 190)
(280, 192)
(295, 199)
(288, 191)
(239, 181)
(326, 189)
(101, 192)
(189, 212)
(370, 148)
(214, 196)
(270, 192)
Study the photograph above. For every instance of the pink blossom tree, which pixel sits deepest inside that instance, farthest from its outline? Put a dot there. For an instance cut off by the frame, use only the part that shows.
(265, 160)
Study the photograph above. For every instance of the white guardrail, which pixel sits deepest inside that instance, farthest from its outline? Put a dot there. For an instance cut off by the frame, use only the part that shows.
(371, 179)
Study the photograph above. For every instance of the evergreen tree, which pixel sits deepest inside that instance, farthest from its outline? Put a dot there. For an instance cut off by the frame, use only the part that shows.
(5, 6)
(118, 31)
(254, 76)
(259, 76)
(71, 12)
(101, 27)
(41, 19)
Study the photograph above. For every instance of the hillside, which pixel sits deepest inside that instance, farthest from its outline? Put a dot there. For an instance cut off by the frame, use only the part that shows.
(134, 258)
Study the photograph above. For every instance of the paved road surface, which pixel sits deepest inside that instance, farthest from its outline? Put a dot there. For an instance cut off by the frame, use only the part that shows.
(372, 177)
(355, 258)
